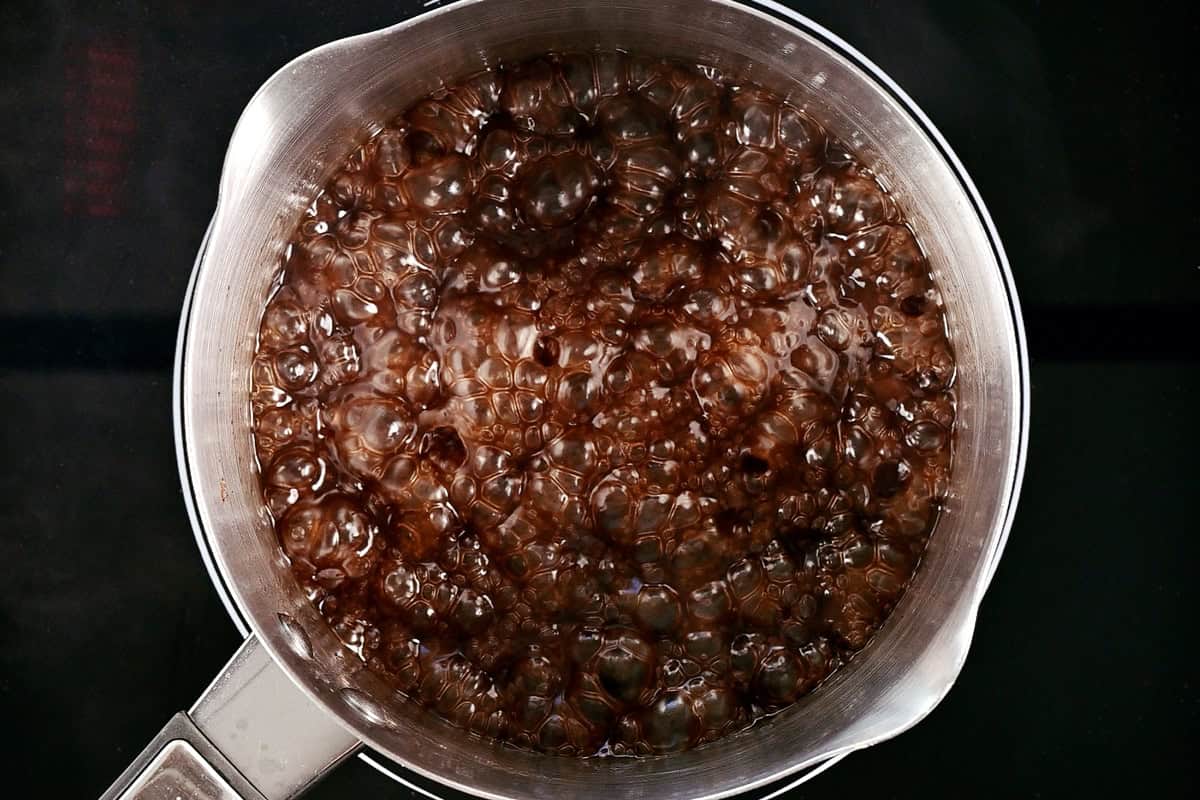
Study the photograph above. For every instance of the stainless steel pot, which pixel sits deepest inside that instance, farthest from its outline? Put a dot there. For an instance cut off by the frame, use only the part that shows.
(293, 702)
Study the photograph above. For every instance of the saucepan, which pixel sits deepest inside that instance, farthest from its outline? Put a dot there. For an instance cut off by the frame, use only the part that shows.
(293, 702)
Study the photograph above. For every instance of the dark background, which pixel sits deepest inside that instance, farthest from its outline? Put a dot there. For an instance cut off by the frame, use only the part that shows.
(1077, 122)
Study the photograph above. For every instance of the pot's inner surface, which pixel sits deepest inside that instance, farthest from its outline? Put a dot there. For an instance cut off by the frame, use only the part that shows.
(605, 404)
(281, 154)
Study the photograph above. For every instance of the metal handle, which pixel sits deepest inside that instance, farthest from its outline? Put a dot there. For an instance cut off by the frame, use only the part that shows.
(181, 764)
(252, 735)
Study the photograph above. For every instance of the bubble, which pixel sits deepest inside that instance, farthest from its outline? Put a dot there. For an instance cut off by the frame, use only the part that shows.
(702, 152)
(642, 177)
(451, 129)
(677, 346)
(417, 290)
(537, 101)
(392, 154)
(623, 665)
(798, 134)
(295, 368)
(919, 352)
(613, 508)
(710, 603)
(473, 612)
(284, 323)
(367, 430)
(675, 263)
(924, 436)
(400, 586)
(671, 723)
(351, 308)
(779, 676)
(745, 577)
(889, 478)
(497, 152)
(836, 328)
(850, 202)
(754, 115)
(338, 358)
(730, 381)
(579, 393)
(354, 229)
(295, 473)
(630, 119)
(820, 363)
(443, 186)
(658, 609)
(578, 74)
(330, 535)
(557, 189)
(444, 448)
(500, 273)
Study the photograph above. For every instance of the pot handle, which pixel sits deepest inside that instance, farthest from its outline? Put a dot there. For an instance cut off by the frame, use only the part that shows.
(252, 735)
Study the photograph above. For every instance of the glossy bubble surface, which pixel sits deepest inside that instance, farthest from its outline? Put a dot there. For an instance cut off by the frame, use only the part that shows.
(605, 404)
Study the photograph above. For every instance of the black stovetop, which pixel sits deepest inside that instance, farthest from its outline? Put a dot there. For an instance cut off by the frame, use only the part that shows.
(1078, 123)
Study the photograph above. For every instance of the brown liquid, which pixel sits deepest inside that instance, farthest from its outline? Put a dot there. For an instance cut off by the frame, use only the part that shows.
(605, 404)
